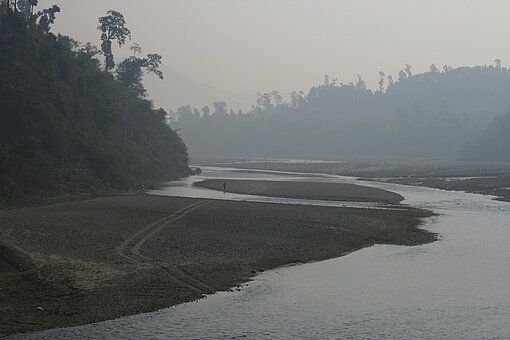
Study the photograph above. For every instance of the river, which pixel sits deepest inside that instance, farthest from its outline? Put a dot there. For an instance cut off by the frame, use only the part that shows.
(455, 288)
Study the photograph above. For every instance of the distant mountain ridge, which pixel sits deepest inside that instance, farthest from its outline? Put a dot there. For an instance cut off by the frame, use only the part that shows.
(177, 89)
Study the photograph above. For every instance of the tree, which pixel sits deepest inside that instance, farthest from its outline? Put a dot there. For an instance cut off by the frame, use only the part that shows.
(47, 17)
(360, 84)
(381, 81)
(88, 49)
(205, 111)
(160, 114)
(326, 81)
(137, 49)
(184, 112)
(7, 4)
(112, 27)
(131, 70)
(498, 64)
(69, 43)
(401, 75)
(26, 7)
(297, 98)
(264, 101)
(447, 68)
(4, 7)
(408, 71)
(220, 107)
(129, 73)
(81, 118)
(152, 63)
(277, 98)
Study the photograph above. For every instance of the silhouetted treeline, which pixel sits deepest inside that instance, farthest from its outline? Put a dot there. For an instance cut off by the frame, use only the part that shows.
(66, 125)
(429, 115)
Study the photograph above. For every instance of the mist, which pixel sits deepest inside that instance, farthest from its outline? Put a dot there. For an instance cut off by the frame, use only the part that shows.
(260, 46)
(440, 114)
(289, 163)
(405, 79)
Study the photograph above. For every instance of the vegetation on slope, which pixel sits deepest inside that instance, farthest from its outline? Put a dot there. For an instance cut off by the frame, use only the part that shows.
(492, 146)
(429, 115)
(66, 125)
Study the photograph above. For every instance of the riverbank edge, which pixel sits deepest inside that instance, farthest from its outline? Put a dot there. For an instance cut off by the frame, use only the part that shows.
(443, 184)
(303, 190)
(495, 182)
(25, 269)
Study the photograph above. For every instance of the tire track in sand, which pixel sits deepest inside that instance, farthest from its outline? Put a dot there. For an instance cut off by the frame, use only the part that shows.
(130, 250)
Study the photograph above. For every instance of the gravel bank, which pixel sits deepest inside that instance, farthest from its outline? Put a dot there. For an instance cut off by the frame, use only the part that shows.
(82, 262)
(304, 190)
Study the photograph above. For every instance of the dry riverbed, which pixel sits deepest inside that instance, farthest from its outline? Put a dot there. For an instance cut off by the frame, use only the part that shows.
(97, 259)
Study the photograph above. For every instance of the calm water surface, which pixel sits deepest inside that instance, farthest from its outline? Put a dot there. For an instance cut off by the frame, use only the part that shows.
(456, 288)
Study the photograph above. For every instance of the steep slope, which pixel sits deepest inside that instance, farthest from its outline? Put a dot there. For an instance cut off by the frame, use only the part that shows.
(67, 126)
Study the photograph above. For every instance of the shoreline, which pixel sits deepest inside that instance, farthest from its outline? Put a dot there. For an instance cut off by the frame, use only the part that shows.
(477, 178)
(114, 256)
(303, 190)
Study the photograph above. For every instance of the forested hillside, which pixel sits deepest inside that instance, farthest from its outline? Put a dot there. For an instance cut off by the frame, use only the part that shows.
(493, 145)
(68, 125)
(436, 114)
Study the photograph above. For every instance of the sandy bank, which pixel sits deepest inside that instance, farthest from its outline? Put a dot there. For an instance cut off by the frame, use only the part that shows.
(304, 190)
(82, 262)
(488, 179)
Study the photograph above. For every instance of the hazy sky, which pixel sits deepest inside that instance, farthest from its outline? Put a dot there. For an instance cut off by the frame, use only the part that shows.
(261, 45)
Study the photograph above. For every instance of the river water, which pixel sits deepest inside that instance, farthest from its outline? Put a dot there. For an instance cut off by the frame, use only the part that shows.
(456, 288)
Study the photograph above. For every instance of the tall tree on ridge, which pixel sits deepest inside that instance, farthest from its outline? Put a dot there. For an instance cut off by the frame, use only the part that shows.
(113, 27)
(47, 17)
(131, 70)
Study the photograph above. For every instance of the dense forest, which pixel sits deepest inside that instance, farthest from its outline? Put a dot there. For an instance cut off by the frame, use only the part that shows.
(70, 124)
(492, 145)
(441, 114)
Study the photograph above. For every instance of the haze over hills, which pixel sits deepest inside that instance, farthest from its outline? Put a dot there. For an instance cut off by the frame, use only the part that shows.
(177, 89)
(89, 125)
(436, 114)
(493, 144)
(97, 221)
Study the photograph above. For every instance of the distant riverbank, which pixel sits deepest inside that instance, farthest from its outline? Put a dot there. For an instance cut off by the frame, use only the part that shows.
(303, 190)
(488, 179)
(87, 261)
